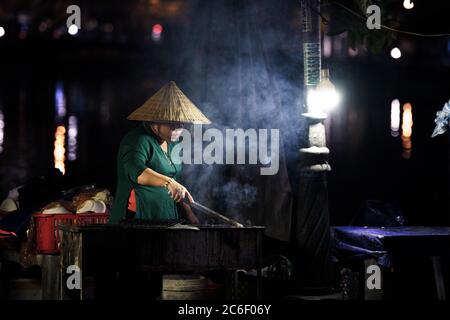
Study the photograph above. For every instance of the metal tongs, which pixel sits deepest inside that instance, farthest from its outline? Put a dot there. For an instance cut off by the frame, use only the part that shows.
(208, 211)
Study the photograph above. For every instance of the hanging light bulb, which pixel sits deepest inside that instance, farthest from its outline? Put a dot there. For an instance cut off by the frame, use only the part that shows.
(408, 4)
(73, 29)
(396, 53)
(326, 96)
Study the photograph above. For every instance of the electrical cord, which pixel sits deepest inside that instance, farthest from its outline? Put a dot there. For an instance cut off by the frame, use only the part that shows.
(389, 28)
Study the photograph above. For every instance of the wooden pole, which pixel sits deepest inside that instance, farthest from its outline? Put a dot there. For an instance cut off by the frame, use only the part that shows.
(312, 226)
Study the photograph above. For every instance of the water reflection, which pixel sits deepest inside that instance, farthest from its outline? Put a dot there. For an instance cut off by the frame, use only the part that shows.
(395, 117)
(60, 103)
(72, 138)
(407, 123)
(59, 151)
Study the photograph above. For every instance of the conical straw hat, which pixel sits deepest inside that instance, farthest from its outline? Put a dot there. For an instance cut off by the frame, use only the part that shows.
(169, 104)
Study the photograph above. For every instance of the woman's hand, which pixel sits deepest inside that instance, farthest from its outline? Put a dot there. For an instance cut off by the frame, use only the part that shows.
(178, 192)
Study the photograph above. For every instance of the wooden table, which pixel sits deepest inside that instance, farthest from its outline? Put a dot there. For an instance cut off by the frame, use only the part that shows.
(383, 246)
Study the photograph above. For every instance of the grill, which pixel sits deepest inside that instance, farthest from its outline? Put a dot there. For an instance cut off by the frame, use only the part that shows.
(156, 247)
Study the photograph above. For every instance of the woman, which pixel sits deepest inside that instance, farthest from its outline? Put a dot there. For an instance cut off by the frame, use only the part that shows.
(147, 185)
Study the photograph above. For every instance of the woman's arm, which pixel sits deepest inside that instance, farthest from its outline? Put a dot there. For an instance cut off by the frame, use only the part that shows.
(152, 178)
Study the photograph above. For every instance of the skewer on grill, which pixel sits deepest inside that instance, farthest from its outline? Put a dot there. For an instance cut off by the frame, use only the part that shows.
(211, 212)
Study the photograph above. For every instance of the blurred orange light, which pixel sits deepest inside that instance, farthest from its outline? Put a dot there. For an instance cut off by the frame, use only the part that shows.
(407, 123)
(60, 150)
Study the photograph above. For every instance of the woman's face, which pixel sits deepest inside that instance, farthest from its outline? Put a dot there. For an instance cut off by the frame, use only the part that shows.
(167, 131)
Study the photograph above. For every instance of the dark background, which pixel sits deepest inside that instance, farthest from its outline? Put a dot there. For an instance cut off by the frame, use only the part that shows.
(208, 48)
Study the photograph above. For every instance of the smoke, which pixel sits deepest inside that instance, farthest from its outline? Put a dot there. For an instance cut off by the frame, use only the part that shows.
(240, 63)
(236, 193)
(239, 197)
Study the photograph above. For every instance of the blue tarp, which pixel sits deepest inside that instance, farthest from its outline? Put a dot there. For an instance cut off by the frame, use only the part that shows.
(382, 242)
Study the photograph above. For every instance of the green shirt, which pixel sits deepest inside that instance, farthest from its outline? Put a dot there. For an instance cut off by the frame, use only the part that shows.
(138, 150)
